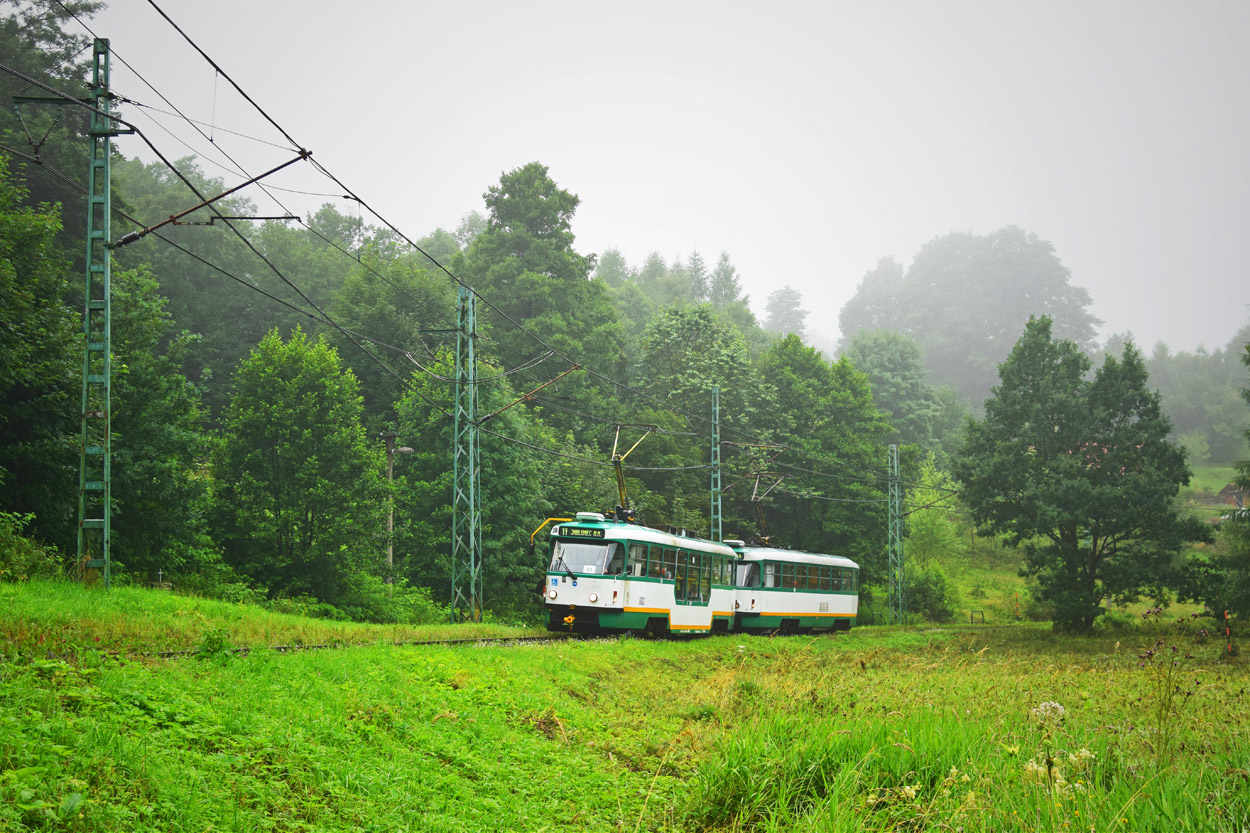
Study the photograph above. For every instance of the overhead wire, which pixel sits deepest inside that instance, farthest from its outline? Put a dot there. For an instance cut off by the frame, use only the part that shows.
(315, 317)
(353, 196)
(265, 188)
(494, 308)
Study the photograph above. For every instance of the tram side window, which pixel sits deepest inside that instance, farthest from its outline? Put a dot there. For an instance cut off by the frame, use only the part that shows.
(637, 560)
(853, 580)
(682, 569)
(772, 575)
(826, 578)
(813, 577)
(616, 563)
(705, 577)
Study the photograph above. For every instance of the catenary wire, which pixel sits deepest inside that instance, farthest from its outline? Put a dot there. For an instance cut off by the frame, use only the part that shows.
(459, 281)
(352, 195)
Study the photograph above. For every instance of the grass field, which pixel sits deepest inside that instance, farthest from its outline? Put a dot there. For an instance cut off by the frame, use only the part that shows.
(880, 729)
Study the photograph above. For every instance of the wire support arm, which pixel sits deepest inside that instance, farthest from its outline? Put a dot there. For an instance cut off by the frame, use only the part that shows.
(135, 236)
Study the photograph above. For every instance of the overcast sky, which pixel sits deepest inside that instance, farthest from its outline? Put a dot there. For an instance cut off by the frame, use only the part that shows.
(806, 139)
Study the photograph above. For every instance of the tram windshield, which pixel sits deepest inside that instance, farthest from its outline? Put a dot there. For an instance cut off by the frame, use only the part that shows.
(587, 559)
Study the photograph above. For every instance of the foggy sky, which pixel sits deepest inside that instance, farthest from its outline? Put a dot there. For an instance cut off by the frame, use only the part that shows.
(805, 139)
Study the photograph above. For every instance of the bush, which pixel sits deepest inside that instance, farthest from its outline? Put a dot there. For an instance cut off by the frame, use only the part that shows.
(214, 579)
(929, 593)
(1033, 609)
(1115, 621)
(22, 558)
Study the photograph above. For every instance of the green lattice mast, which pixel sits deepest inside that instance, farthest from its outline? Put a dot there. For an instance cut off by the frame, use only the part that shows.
(466, 517)
(96, 457)
(898, 602)
(717, 532)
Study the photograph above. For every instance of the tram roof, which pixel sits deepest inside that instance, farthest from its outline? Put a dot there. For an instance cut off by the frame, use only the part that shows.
(618, 531)
(795, 556)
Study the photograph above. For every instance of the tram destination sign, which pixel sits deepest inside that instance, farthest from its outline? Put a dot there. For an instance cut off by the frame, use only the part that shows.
(577, 532)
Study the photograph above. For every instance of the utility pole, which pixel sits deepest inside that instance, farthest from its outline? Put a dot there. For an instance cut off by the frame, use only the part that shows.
(466, 516)
(96, 447)
(898, 604)
(391, 451)
(717, 531)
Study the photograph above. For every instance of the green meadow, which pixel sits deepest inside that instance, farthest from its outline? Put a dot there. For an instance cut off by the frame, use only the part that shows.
(1009, 728)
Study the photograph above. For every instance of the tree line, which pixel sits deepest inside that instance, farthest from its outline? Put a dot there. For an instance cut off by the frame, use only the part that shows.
(249, 402)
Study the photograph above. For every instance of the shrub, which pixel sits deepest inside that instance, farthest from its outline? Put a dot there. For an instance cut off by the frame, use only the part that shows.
(1115, 621)
(929, 593)
(22, 558)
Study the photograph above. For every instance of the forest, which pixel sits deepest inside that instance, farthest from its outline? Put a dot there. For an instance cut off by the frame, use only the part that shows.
(259, 368)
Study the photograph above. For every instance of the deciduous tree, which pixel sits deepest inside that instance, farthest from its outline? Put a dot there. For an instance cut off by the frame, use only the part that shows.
(965, 299)
(39, 371)
(299, 490)
(785, 313)
(1080, 473)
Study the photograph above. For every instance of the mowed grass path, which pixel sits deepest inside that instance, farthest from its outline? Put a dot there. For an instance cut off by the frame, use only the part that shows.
(878, 729)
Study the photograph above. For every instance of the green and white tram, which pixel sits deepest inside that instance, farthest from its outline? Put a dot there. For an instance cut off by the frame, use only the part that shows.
(607, 575)
(794, 591)
(611, 575)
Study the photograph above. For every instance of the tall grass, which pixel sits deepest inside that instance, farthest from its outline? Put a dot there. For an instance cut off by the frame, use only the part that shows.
(876, 729)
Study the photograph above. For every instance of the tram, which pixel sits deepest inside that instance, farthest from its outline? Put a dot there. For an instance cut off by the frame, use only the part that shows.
(607, 575)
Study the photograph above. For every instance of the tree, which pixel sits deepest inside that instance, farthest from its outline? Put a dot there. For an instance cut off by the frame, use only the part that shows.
(684, 353)
(652, 272)
(299, 491)
(525, 263)
(471, 225)
(1081, 473)
(160, 490)
(785, 312)
(391, 301)
(876, 304)
(227, 315)
(34, 41)
(1200, 395)
(699, 277)
(965, 299)
(515, 481)
(1220, 578)
(931, 534)
(725, 288)
(897, 374)
(612, 269)
(40, 346)
(826, 413)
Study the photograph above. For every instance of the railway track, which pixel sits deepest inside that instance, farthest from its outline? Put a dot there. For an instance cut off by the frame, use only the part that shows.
(331, 646)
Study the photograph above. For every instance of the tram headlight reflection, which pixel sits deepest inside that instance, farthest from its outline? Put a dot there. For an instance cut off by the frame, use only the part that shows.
(551, 594)
(594, 597)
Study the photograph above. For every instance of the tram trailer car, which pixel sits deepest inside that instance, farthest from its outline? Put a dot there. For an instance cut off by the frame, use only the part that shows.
(794, 591)
(610, 576)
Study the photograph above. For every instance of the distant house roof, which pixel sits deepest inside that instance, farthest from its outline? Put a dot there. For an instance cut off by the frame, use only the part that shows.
(1232, 495)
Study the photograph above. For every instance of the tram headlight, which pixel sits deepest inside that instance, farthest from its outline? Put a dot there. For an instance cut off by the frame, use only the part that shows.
(551, 594)
(594, 597)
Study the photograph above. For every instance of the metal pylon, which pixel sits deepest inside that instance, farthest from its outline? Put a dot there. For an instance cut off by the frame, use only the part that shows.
(96, 454)
(717, 531)
(898, 603)
(466, 515)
